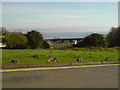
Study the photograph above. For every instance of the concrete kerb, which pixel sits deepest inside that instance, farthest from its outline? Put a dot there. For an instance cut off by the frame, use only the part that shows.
(17, 66)
(53, 68)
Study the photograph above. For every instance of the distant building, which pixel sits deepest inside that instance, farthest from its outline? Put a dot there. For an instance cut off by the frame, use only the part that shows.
(2, 45)
(75, 42)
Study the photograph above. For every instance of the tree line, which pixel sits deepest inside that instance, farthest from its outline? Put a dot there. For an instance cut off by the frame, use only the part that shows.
(17, 40)
(99, 40)
(34, 39)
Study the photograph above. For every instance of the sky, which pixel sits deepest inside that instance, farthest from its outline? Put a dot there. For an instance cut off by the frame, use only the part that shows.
(60, 16)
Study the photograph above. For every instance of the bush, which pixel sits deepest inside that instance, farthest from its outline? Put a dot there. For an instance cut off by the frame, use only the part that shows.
(15, 40)
(44, 45)
(35, 40)
(4, 31)
(93, 40)
(113, 37)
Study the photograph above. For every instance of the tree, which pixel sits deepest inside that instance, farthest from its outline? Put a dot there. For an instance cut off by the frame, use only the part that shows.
(67, 42)
(4, 31)
(15, 40)
(58, 42)
(35, 40)
(44, 44)
(113, 37)
(93, 40)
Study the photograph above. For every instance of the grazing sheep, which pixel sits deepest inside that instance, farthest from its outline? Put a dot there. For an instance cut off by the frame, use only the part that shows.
(79, 59)
(14, 61)
(52, 60)
(107, 59)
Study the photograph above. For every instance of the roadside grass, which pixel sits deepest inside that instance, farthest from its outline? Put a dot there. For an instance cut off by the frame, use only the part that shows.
(36, 56)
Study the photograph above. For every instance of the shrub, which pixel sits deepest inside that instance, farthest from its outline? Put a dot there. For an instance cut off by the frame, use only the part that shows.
(113, 37)
(93, 40)
(15, 40)
(35, 40)
(45, 45)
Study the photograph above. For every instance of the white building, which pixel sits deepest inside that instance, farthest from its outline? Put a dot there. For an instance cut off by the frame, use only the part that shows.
(2, 45)
(75, 42)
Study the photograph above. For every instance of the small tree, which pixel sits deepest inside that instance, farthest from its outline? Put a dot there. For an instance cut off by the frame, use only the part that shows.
(35, 40)
(44, 45)
(66, 41)
(93, 40)
(4, 31)
(58, 42)
(15, 40)
(113, 37)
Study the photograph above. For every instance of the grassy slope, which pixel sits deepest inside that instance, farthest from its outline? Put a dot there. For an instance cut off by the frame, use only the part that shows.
(33, 56)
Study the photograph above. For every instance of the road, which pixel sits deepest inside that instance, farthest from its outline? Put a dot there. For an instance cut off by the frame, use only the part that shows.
(82, 77)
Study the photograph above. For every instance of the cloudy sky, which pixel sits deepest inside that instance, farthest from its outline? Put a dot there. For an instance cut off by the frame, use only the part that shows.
(60, 16)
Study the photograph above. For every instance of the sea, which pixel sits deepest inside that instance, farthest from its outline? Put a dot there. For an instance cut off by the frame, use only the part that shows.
(60, 35)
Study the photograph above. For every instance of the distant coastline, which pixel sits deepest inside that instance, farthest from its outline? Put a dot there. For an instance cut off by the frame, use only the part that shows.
(64, 35)
(61, 35)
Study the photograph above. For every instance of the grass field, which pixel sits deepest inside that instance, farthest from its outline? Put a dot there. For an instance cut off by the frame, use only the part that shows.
(36, 56)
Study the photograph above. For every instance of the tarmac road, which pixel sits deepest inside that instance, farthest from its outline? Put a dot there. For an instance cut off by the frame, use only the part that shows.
(82, 77)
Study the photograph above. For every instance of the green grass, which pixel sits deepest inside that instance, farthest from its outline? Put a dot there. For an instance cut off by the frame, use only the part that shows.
(36, 56)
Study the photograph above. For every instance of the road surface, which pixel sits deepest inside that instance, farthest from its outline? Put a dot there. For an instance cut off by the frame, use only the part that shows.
(82, 77)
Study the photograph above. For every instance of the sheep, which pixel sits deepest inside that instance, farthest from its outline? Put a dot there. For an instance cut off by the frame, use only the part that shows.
(107, 59)
(52, 60)
(14, 61)
(79, 59)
